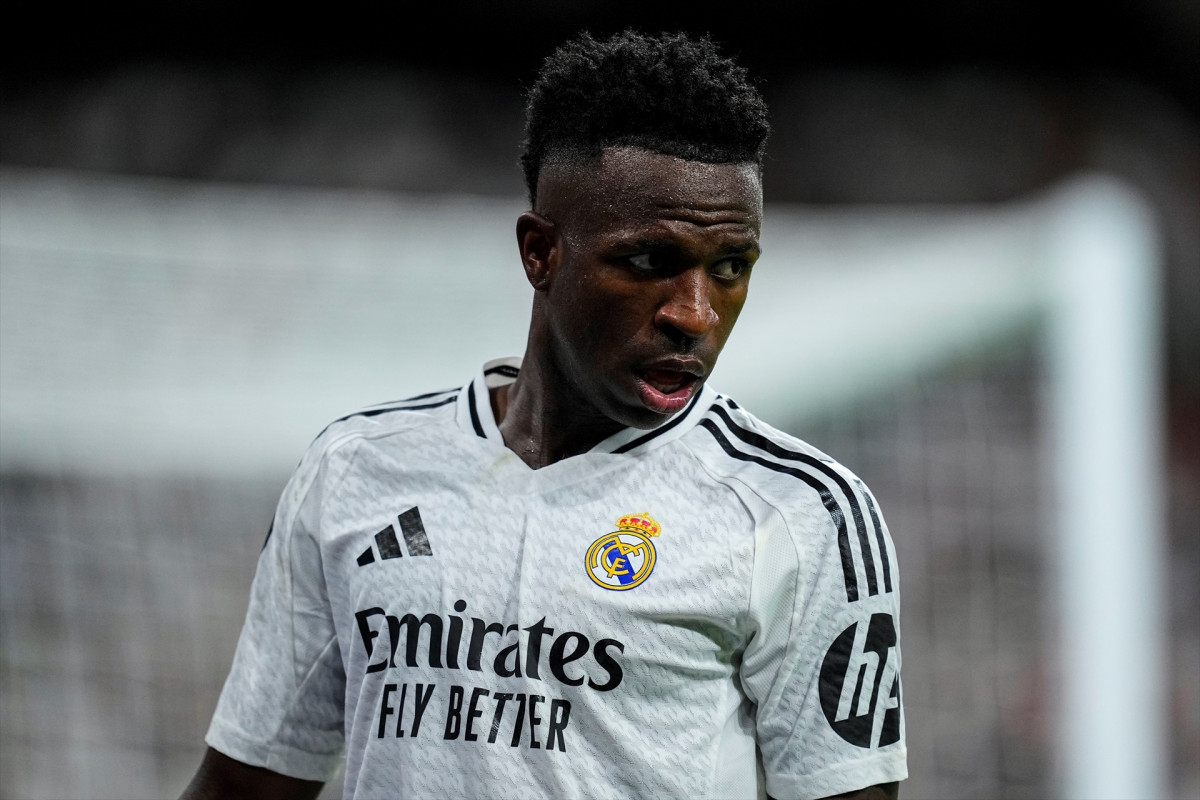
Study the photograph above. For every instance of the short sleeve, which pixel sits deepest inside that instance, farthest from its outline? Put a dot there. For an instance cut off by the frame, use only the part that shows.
(823, 662)
(282, 703)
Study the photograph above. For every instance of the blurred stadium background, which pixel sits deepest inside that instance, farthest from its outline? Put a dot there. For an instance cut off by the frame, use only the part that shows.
(221, 227)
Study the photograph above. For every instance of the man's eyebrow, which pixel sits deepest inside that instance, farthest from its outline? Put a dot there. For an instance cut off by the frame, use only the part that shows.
(738, 248)
(646, 243)
(657, 244)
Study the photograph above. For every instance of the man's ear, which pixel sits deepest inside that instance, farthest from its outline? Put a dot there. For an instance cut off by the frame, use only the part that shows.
(538, 241)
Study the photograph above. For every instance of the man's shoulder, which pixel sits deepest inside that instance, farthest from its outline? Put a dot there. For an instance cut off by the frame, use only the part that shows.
(739, 437)
(333, 454)
(822, 503)
(748, 427)
(779, 466)
(383, 420)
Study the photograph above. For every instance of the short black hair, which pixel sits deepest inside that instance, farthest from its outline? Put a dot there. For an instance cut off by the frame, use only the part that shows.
(671, 93)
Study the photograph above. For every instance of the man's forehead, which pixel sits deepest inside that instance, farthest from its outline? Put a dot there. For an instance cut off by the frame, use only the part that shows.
(631, 181)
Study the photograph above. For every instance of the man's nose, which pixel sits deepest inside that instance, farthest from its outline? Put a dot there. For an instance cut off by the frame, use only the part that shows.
(688, 310)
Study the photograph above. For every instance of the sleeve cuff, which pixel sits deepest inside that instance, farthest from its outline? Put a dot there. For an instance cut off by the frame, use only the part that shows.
(285, 760)
(849, 777)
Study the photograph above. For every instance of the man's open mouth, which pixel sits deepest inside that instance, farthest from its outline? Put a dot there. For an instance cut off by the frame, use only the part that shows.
(668, 381)
(666, 390)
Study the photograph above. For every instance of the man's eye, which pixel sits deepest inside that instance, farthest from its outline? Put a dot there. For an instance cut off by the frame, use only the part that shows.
(729, 269)
(646, 262)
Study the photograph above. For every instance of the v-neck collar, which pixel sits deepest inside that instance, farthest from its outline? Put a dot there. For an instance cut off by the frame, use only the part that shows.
(474, 413)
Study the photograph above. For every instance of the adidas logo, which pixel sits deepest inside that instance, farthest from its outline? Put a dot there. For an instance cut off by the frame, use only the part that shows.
(416, 541)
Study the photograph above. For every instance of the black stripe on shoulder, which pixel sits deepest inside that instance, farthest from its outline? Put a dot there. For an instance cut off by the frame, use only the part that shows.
(474, 412)
(831, 506)
(426, 395)
(660, 430)
(860, 525)
(883, 554)
(374, 412)
(433, 404)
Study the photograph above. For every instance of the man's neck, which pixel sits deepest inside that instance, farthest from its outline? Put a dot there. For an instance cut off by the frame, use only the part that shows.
(542, 425)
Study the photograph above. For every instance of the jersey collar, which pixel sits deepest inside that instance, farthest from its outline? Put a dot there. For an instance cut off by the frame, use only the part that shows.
(474, 413)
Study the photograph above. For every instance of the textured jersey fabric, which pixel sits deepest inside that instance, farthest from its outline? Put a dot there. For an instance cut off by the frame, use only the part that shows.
(705, 609)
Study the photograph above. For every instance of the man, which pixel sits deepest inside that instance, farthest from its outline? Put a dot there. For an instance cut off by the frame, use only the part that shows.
(585, 573)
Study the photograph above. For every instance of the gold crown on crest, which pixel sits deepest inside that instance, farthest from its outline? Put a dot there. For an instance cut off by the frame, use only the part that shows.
(640, 522)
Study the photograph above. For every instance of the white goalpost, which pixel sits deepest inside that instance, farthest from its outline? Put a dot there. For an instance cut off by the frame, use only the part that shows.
(1105, 333)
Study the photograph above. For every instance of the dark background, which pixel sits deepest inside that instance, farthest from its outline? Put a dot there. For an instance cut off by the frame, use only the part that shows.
(1155, 42)
(1065, 50)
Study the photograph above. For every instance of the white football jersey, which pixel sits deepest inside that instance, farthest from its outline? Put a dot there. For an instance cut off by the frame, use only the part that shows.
(705, 609)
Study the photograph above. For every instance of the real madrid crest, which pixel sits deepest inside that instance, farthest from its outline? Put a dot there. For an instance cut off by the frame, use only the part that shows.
(624, 558)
